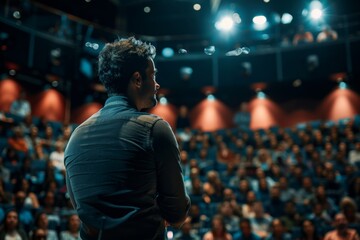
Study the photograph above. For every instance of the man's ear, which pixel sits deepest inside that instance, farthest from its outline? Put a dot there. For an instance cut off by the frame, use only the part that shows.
(136, 79)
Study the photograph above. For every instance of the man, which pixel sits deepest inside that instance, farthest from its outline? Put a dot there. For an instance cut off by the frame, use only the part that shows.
(245, 232)
(122, 164)
(342, 231)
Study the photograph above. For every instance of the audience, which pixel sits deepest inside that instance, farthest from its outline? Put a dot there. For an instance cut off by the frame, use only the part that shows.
(327, 34)
(218, 230)
(264, 184)
(302, 36)
(342, 230)
(21, 107)
(73, 228)
(11, 228)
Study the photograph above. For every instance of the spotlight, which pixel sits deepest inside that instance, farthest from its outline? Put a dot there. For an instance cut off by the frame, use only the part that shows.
(197, 7)
(286, 18)
(12, 72)
(186, 72)
(147, 9)
(316, 14)
(163, 101)
(316, 5)
(225, 24)
(167, 52)
(260, 95)
(210, 98)
(342, 85)
(260, 23)
(259, 20)
(16, 14)
(316, 8)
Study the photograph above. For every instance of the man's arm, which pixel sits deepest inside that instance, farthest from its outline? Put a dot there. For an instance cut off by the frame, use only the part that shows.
(173, 201)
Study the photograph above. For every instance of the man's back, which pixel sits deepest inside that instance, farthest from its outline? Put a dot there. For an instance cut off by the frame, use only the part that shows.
(112, 174)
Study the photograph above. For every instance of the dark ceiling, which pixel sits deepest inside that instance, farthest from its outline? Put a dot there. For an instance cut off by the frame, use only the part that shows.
(176, 18)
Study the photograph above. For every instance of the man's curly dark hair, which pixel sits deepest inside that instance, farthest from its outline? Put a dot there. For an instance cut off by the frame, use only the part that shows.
(120, 59)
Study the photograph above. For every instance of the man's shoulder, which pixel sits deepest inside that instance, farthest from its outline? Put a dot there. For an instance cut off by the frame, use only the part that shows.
(149, 118)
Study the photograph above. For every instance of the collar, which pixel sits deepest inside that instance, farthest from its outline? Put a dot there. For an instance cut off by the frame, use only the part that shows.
(119, 100)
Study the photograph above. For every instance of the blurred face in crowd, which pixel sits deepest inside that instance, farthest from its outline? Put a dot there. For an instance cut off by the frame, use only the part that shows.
(11, 220)
(74, 223)
(245, 228)
(277, 227)
(340, 222)
(308, 228)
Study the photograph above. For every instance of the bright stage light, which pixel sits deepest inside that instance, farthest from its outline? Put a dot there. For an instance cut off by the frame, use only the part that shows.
(259, 20)
(261, 95)
(167, 52)
(286, 18)
(225, 24)
(197, 7)
(316, 14)
(342, 85)
(210, 98)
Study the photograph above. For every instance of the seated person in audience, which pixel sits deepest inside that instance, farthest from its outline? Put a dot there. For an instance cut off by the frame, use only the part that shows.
(263, 190)
(186, 232)
(218, 230)
(321, 197)
(11, 229)
(17, 141)
(31, 200)
(230, 219)
(213, 188)
(309, 231)
(5, 124)
(354, 190)
(354, 155)
(42, 222)
(275, 206)
(242, 190)
(248, 206)
(350, 210)
(286, 193)
(240, 175)
(242, 117)
(327, 34)
(5, 173)
(328, 154)
(341, 231)
(51, 209)
(261, 221)
(302, 36)
(291, 217)
(333, 186)
(48, 140)
(25, 215)
(319, 216)
(57, 156)
(21, 107)
(183, 120)
(278, 231)
(229, 196)
(39, 234)
(73, 228)
(245, 232)
(306, 192)
(32, 139)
